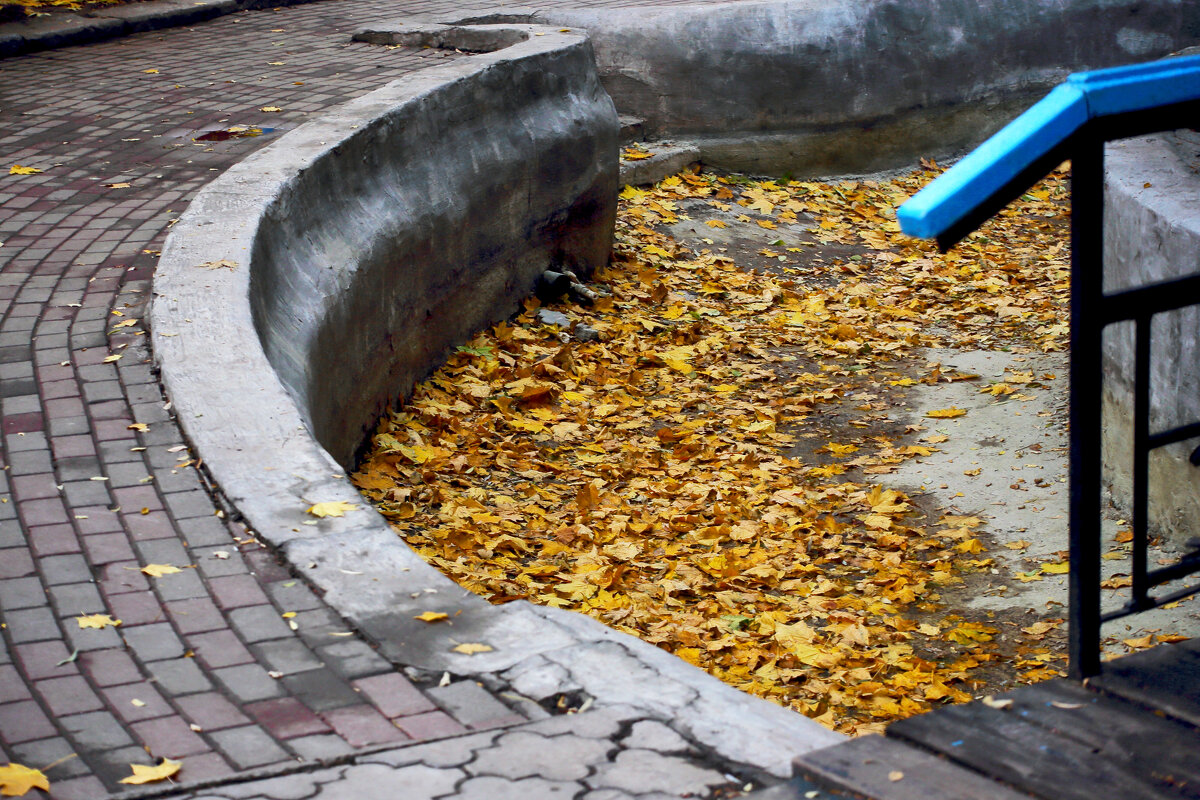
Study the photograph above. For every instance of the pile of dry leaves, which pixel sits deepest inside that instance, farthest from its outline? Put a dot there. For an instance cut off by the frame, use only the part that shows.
(678, 477)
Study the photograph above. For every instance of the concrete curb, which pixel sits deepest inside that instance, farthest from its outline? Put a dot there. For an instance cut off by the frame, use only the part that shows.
(853, 86)
(274, 249)
(1151, 234)
(65, 30)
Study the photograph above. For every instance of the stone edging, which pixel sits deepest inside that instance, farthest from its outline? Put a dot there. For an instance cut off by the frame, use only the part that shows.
(273, 248)
(1151, 234)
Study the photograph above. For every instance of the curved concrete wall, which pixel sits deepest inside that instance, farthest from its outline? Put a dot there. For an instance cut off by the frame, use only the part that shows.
(829, 87)
(308, 285)
(1152, 233)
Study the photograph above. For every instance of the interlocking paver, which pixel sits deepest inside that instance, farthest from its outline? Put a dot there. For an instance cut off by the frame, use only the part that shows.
(201, 647)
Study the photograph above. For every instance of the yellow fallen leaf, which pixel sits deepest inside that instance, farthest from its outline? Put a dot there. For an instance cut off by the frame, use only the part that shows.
(1058, 568)
(946, 413)
(432, 616)
(714, 223)
(138, 426)
(150, 71)
(972, 472)
(471, 648)
(143, 774)
(288, 614)
(270, 108)
(158, 570)
(112, 358)
(118, 185)
(16, 780)
(17, 169)
(895, 775)
(1019, 544)
(332, 508)
(97, 621)
(1140, 643)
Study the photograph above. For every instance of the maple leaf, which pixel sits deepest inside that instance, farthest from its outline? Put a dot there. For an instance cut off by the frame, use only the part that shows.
(16, 780)
(946, 413)
(432, 616)
(144, 774)
(97, 621)
(17, 169)
(158, 570)
(331, 508)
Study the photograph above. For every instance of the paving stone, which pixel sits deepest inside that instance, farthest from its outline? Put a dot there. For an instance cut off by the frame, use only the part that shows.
(248, 746)
(183, 585)
(24, 721)
(12, 685)
(153, 642)
(259, 624)
(163, 551)
(16, 562)
(105, 548)
(362, 725)
(321, 690)
(469, 703)
(196, 615)
(286, 718)
(237, 591)
(642, 771)
(353, 658)
(32, 625)
(64, 569)
(170, 736)
(653, 735)
(55, 750)
(212, 564)
(88, 639)
(109, 667)
(137, 608)
(394, 695)
(429, 725)
(219, 649)
(211, 711)
(96, 730)
(489, 788)
(71, 694)
(248, 682)
(88, 787)
(179, 676)
(133, 702)
(16, 593)
(288, 656)
(74, 599)
(518, 754)
(321, 747)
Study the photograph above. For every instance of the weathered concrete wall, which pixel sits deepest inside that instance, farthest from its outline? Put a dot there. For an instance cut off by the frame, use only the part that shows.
(309, 284)
(1152, 233)
(829, 87)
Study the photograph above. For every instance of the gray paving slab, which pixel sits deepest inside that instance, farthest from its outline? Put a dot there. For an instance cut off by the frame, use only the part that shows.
(199, 648)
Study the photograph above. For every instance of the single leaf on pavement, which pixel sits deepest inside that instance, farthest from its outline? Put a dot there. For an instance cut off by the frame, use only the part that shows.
(333, 508)
(97, 621)
(471, 648)
(431, 616)
(158, 570)
(144, 774)
(17, 169)
(16, 780)
(946, 413)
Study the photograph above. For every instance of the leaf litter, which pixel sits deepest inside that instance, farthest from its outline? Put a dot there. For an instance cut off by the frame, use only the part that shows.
(709, 473)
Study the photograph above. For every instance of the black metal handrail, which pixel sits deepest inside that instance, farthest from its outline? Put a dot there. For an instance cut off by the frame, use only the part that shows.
(1073, 122)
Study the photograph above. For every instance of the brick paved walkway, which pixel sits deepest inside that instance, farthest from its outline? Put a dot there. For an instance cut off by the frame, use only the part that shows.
(231, 663)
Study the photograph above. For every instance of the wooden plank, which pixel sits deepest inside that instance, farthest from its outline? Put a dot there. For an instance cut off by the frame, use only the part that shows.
(1143, 743)
(867, 765)
(1032, 758)
(1166, 678)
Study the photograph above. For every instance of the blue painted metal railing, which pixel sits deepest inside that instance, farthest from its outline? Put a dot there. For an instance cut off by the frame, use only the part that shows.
(1073, 122)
